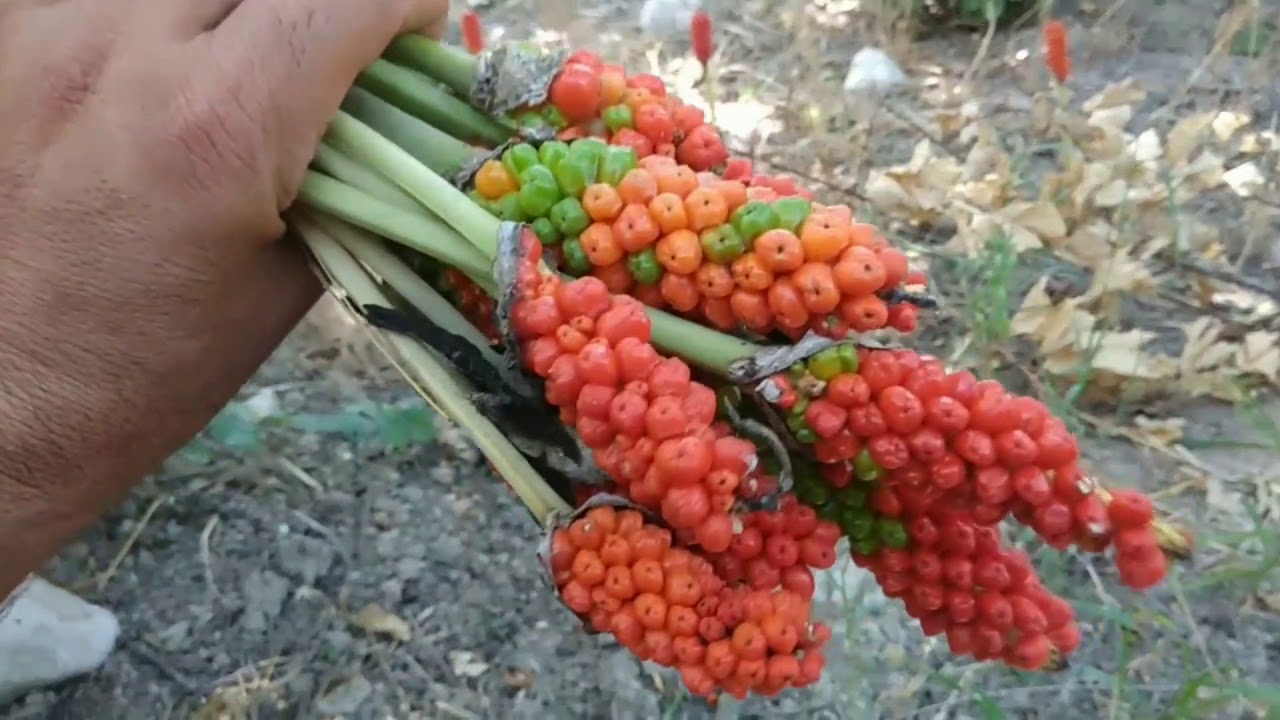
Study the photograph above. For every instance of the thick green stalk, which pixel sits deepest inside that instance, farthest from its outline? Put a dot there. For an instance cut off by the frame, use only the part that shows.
(452, 66)
(366, 146)
(421, 97)
(434, 148)
(417, 230)
(712, 351)
(335, 164)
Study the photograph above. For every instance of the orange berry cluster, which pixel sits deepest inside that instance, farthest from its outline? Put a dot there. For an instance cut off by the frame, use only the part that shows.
(623, 576)
(713, 249)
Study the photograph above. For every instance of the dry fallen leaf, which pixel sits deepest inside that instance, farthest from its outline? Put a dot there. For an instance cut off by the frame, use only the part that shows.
(1259, 354)
(373, 619)
(1160, 432)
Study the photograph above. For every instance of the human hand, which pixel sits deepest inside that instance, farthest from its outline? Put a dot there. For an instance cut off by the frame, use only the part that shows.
(147, 148)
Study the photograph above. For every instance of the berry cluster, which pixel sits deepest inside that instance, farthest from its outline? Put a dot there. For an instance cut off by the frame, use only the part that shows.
(713, 249)
(590, 98)
(476, 305)
(957, 578)
(780, 548)
(668, 605)
(649, 425)
(947, 440)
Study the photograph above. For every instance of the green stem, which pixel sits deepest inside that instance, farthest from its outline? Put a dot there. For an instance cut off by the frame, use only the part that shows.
(420, 96)
(434, 148)
(335, 164)
(450, 65)
(712, 351)
(416, 230)
(366, 146)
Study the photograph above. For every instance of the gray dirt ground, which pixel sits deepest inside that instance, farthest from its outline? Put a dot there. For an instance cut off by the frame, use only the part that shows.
(236, 579)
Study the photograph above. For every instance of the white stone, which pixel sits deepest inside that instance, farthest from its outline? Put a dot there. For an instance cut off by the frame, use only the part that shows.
(50, 635)
(667, 19)
(871, 70)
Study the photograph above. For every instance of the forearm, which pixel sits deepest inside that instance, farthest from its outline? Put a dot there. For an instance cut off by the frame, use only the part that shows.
(51, 473)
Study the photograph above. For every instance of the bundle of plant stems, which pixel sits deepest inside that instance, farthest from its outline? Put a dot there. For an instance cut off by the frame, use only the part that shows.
(657, 348)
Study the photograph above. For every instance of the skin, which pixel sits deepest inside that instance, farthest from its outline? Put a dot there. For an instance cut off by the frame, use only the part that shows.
(147, 149)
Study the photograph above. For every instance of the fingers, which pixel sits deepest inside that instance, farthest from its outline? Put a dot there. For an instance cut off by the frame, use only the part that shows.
(303, 55)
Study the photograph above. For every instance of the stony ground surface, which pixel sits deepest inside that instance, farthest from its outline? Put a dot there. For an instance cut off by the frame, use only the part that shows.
(240, 577)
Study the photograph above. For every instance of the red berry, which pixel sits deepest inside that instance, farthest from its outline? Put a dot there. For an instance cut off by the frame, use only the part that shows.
(781, 550)
(927, 566)
(975, 447)
(1053, 518)
(889, 451)
(1129, 508)
(961, 606)
(958, 572)
(1031, 484)
(881, 369)
(923, 531)
(927, 445)
(902, 410)
(1015, 448)
(747, 544)
(990, 572)
(1032, 652)
(576, 93)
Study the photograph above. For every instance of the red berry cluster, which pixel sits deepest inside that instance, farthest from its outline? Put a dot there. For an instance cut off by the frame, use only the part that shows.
(667, 604)
(661, 124)
(958, 579)
(780, 548)
(947, 440)
(472, 301)
(650, 426)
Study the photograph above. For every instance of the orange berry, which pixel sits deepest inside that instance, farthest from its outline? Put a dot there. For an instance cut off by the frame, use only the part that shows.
(679, 251)
(817, 287)
(862, 234)
(680, 291)
(635, 229)
(864, 313)
(787, 304)
(750, 273)
(859, 272)
(493, 180)
(751, 307)
(719, 313)
(602, 202)
(638, 187)
(705, 208)
(675, 179)
(668, 211)
(714, 280)
(823, 237)
(733, 192)
(896, 266)
(600, 246)
(779, 251)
